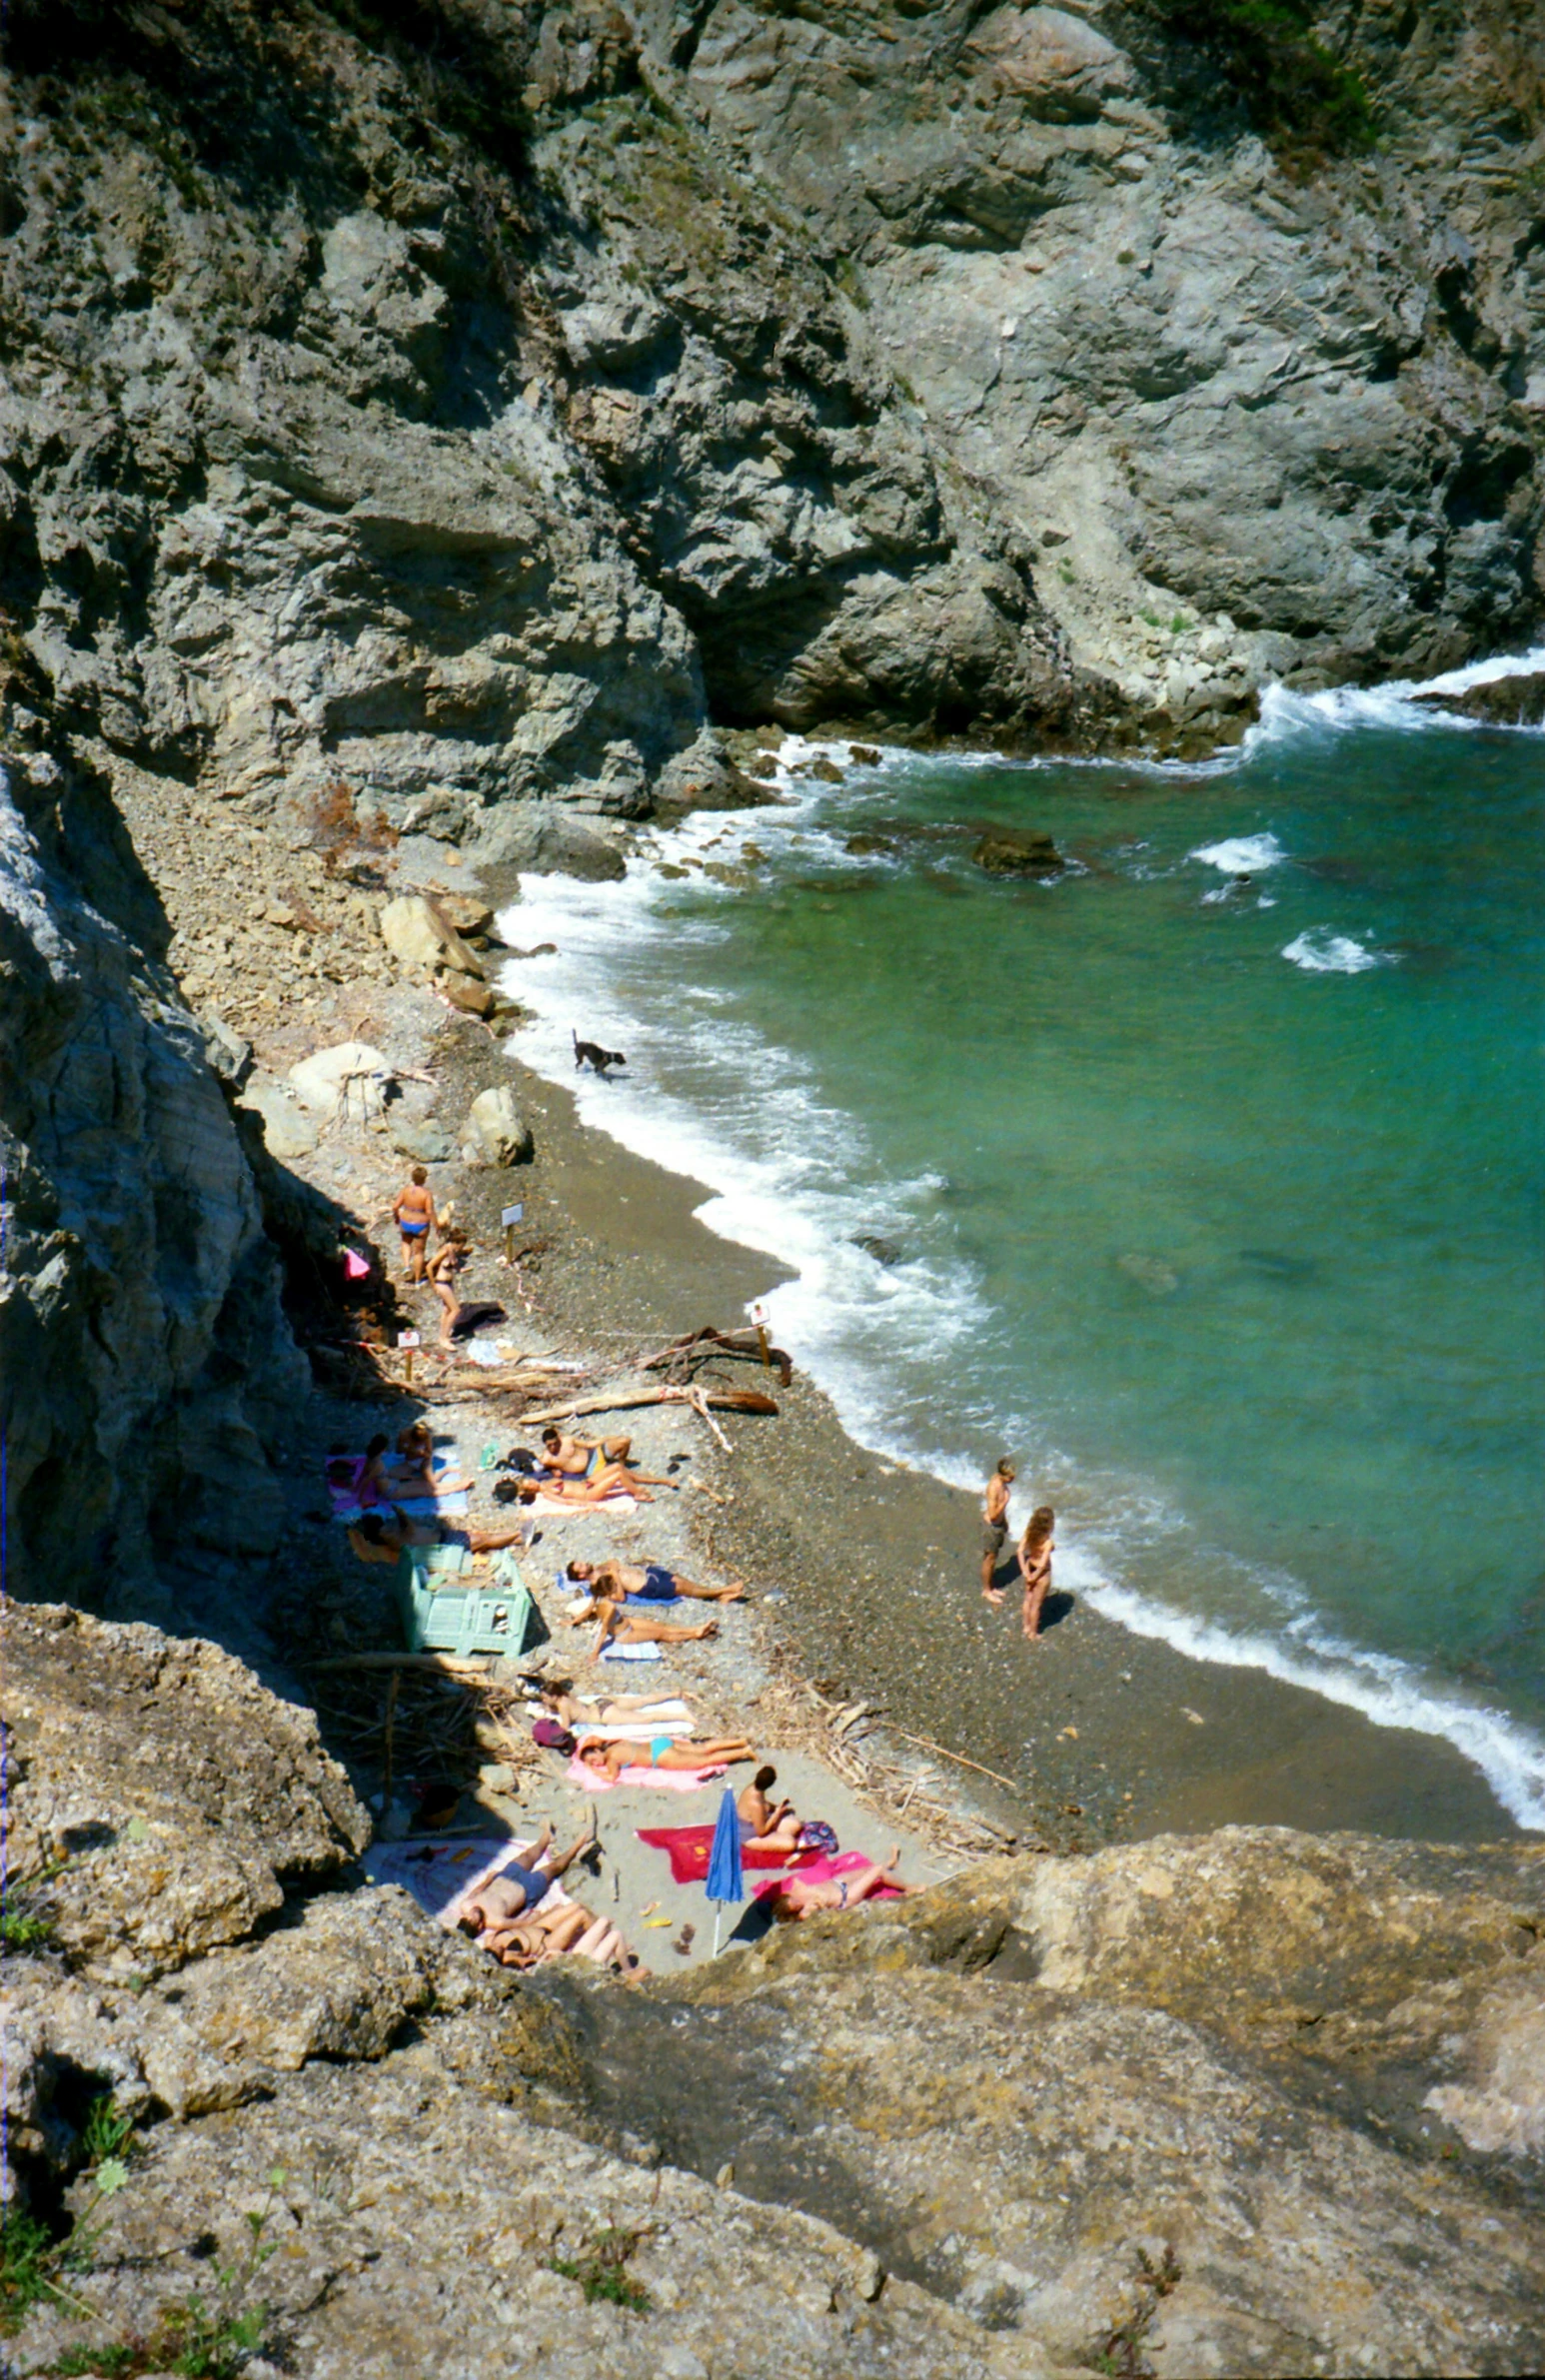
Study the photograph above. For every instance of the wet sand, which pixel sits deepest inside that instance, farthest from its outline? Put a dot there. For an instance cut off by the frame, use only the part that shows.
(1105, 1734)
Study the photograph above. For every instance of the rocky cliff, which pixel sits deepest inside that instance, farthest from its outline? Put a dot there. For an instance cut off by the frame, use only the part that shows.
(1256, 2103)
(466, 403)
(145, 1364)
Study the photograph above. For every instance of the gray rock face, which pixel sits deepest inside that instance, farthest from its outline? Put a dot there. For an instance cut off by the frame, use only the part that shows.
(182, 1795)
(143, 1361)
(1254, 2102)
(1249, 412)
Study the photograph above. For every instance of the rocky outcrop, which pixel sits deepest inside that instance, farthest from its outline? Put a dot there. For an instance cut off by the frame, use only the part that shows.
(145, 1364)
(1255, 2102)
(1236, 323)
(439, 417)
(1517, 701)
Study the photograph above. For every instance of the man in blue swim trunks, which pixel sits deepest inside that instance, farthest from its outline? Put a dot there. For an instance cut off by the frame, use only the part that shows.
(650, 1581)
(412, 1211)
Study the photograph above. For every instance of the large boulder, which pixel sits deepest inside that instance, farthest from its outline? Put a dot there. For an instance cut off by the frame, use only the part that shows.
(349, 1079)
(1517, 701)
(419, 932)
(543, 840)
(496, 1132)
(288, 1131)
(180, 1795)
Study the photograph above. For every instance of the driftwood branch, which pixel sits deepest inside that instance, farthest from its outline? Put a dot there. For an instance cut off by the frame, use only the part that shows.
(698, 1346)
(722, 1400)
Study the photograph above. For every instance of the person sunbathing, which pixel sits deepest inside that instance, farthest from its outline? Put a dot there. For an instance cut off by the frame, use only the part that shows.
(619, 1627)
(580, 1492)
(572, 1930)
(760, 1823)
(650, 1581)
(522, 1885)
(580, 1461)
(619, 1710)
(375, 1539)
(609, 1760)
(797, 1896)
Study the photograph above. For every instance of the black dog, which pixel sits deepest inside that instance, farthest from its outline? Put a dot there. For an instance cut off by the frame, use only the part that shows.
(590, 1054)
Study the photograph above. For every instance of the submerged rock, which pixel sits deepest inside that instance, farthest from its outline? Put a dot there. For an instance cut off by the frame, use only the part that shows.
(1005, 851)
(1501, 702)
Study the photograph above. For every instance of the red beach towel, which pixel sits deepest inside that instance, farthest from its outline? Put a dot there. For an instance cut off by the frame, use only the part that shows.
(687, 1848)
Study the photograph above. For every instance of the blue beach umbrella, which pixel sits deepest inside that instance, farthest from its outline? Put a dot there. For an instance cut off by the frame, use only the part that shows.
(726, 1881)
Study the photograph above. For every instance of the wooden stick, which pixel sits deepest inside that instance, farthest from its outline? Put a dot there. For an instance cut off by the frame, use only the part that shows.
(928, 1744)
(394, 1685)
(700, 1406)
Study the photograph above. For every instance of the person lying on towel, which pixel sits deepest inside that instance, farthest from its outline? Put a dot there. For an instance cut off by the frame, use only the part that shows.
(609, 1760)
(622, 1626)
(650, 1581)
(575, 1711)
(377, 1538)
(797, 1897)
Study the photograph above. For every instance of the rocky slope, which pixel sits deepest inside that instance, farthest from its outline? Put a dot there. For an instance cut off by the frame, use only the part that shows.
(1253, 2103)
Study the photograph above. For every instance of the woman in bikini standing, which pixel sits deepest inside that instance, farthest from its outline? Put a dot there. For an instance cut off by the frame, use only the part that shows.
(1036, 1550)
(412, 1211)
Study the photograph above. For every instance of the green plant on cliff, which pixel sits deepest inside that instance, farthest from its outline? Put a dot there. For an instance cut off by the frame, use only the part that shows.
(1300, 98)
(602, 2270)
(214, 2336)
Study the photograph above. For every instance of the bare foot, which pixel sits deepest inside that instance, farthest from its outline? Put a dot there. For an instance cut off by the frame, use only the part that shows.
(710, 1628)
(992, 1594)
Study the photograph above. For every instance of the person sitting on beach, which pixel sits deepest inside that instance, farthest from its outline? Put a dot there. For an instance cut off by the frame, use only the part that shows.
(1037, 1548)
(410, 1470)
(375, 1539)
(661, 1752)
(994, 1530)
(797, 1896)
(650, 1582)
(622, 1626)
(579, 1461)
(777, 1829)
(412, 1211)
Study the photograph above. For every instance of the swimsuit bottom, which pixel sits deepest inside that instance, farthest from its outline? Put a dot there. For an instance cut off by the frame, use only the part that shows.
(412, 1231)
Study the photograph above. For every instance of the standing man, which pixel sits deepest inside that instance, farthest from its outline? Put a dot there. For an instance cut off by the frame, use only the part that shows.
(412, 1211)
(995, 1534)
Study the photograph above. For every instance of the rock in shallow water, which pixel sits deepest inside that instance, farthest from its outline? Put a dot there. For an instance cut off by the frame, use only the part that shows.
(1005, 852)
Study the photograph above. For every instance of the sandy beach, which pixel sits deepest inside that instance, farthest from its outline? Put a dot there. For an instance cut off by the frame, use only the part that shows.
(1104, 1736)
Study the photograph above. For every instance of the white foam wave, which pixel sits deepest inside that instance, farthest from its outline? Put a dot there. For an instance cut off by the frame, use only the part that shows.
(1241, 854)
(1335, 709)
(1320, 952)
(709, 1100)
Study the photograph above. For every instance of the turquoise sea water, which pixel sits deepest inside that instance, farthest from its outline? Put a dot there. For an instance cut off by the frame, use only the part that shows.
(1206, 1177)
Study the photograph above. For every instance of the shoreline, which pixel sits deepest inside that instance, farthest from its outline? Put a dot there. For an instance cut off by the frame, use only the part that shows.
(1107, 1734)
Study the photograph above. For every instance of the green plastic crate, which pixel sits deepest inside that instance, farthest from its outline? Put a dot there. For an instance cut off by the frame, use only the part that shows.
(446, 1608)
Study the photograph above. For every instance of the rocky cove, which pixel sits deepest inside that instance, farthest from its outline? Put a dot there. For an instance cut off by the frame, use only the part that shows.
(435, 441)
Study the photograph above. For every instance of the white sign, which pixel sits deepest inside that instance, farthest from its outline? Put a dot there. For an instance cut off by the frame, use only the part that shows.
(511, 1216)
(407, 1338)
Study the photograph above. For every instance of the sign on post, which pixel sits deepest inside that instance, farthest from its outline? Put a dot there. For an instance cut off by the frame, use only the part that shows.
(408, 1341)
(510, 1218)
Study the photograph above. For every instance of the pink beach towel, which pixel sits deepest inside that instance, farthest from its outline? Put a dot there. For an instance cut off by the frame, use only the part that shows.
(567, 1512)
(821, 1872)
(670, 1781)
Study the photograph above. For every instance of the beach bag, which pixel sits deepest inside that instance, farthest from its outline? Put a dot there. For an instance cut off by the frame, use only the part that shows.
(816, 1835)
(553, 1735)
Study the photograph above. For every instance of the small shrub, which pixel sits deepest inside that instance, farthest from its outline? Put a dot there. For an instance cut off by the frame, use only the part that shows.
(26, 2250)
(602, 2270)
(1301, 99)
